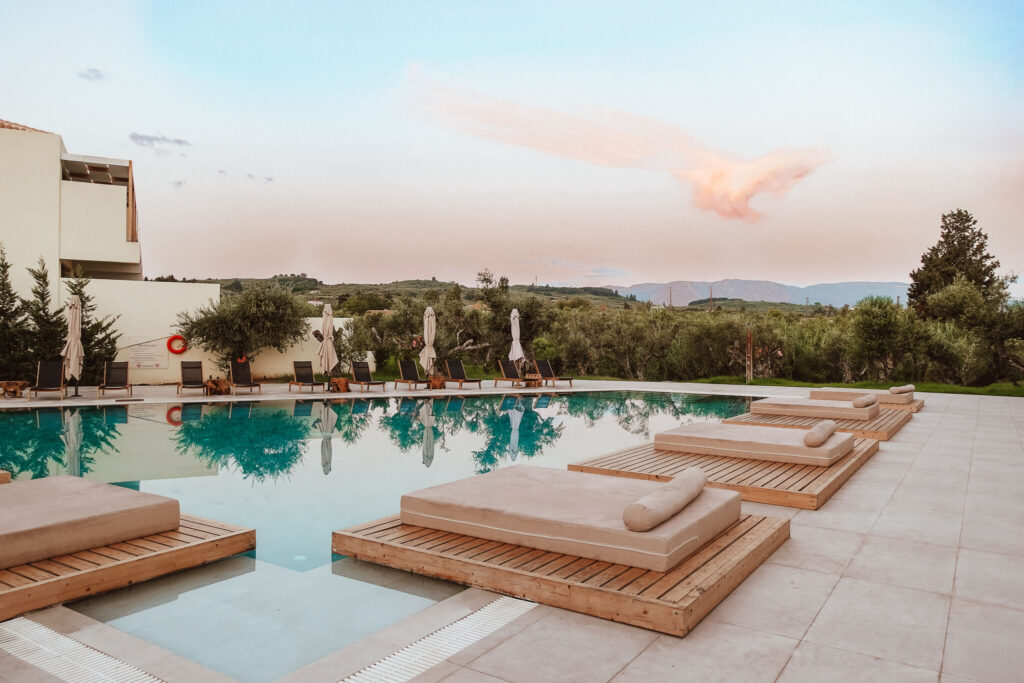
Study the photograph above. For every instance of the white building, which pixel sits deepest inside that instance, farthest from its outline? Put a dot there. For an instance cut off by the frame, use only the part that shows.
(80, 211)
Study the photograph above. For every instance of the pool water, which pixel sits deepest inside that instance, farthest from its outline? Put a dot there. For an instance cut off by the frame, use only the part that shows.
(296, 471)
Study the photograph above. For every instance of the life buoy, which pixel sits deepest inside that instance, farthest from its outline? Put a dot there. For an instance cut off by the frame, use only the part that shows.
(173, 345)
(173, 416)
(242, 359)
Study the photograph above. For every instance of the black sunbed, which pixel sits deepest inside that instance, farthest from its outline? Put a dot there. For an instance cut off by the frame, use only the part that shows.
(547, 374)
(361, 376)
(457, 373)
(49, 377)
(510, 373)
(241, 377)
(410, 374)
(115, 377)
(192, 376)
(302, 373)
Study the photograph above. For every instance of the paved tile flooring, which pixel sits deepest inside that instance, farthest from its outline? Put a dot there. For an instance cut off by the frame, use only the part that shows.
(913, 571)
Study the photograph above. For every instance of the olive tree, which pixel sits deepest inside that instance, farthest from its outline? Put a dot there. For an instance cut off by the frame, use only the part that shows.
(257, 318)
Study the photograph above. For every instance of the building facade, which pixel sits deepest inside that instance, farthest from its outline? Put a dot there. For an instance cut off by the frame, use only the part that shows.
(75, 211)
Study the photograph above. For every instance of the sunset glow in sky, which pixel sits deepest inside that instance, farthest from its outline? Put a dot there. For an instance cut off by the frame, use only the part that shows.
(578, 142)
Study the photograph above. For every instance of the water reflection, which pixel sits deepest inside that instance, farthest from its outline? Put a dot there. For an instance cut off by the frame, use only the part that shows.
(266, 440)
(35, 442)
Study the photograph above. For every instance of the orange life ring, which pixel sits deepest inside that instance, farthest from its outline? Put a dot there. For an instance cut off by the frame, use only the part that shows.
(242, 359)
(172, 419)
(172, 345)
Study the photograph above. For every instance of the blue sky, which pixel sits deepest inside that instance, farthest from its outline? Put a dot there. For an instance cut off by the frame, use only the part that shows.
(906, 110)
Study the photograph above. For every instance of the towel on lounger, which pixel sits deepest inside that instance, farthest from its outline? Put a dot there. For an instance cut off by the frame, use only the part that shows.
(905, 389)
(865, 401)
(820, 433)
(651, 510)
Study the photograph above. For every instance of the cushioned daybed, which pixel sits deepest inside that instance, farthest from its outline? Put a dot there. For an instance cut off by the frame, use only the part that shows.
(65, 537)
(809, 407)
(886, 399)
(755, 443)
(568, 512)
(560, 538)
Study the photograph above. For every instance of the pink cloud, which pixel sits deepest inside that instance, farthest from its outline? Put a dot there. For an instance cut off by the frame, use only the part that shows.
(721, 183)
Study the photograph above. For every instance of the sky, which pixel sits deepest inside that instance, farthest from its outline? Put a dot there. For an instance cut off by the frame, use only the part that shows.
(584, 143)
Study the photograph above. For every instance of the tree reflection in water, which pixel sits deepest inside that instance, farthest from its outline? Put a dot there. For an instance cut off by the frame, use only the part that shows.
(33, 443)
(261, 441)
(267, 440)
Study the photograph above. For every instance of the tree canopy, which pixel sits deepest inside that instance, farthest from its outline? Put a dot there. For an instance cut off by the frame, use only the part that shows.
(257, 318)
(962, 251)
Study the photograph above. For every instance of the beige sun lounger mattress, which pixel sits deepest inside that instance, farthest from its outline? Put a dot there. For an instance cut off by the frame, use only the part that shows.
(44, 518)
(847, 394)
(809, 407)
(570, 512)
(754, 443)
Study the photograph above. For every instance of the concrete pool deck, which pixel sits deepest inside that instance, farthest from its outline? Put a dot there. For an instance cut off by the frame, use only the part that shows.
(914, 570)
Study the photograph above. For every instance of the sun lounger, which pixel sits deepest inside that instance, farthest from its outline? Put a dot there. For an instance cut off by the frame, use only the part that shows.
(883, 426)
(886, 399)
(302, 376)
(410, 374)
(457, 373)
(547, 374)
(361, 376)
(115, 377)
(509, 372)
(66, 537)
(558, 538)
(192, 376)
(49, 377)
(754, 443)
(809, 407)
(241, 377)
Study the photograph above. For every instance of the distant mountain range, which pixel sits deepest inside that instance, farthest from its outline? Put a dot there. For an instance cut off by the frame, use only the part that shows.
(829, 293)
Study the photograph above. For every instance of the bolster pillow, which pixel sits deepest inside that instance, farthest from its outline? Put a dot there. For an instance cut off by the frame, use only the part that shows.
(905, 389)
(819, 434)
(651, 510)
(865, 401)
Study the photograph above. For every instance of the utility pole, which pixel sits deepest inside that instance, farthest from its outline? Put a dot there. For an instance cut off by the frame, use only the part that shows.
(711, 299)
(750, 356)
(670, 296)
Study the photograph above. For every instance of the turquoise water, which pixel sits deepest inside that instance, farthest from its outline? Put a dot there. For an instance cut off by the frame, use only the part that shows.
(296, 471)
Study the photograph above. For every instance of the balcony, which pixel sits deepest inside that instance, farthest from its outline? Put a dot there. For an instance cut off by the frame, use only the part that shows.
(94, 230)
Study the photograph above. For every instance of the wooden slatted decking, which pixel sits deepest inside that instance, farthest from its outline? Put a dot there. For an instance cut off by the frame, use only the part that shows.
(761, 481)
(914, 406)
(883, 427)
(67, 577)
(671, 602)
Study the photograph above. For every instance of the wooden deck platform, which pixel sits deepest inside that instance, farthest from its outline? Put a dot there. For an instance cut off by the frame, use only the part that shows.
(883, 427)
(761, 481)
(671, 602)
(914, 406)
(60, 579)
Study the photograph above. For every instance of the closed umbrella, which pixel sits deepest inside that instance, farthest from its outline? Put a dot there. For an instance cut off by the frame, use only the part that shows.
(426, 418)
(325, 423)
(516, 352)
(328, 356)
(72, 438)
(73, 353)
(427, 355)
(515, 417)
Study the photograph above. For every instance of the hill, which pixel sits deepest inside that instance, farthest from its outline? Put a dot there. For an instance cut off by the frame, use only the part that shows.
(828, 294)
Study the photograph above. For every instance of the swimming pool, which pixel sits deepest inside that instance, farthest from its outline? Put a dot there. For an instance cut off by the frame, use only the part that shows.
(296, 471)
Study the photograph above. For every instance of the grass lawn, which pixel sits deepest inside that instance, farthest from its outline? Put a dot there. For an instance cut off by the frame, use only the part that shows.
(998, 389)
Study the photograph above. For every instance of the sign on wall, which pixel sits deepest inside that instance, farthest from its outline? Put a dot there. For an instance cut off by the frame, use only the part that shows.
(145, 352)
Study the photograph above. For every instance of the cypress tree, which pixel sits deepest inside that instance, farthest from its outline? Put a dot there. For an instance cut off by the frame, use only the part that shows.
(47, 326)
(13, 327)
(962, 250)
